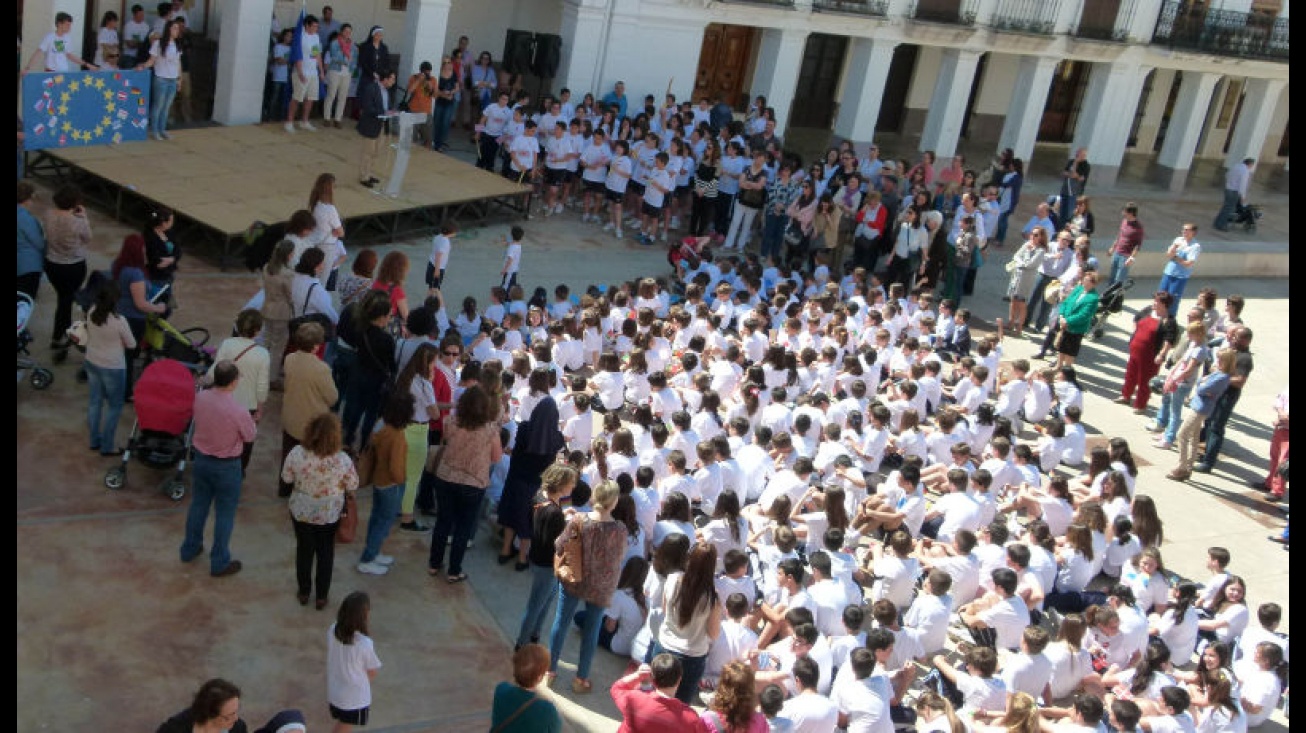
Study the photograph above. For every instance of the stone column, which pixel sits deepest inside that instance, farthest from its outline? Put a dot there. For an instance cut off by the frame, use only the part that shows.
(242, 66)
(779, 59)
(948, 104)
(868, 72)
(425, 28)
(1260, 97)
(1186, 122)
(1030, 94)
(1106, 117)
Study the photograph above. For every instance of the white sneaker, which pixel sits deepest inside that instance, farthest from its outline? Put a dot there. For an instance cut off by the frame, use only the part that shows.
(662, 237)
(675, 222)
(384, 559)
(557, 208)
(290, 128)
(306, 125)
(607, 227)
(618, 234)
(372, 568)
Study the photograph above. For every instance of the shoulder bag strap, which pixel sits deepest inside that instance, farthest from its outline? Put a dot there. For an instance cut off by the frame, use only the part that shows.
(307, 296)
(243, 352)
(504, 724)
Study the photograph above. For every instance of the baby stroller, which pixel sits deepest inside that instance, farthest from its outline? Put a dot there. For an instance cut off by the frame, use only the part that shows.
(1111, 301)
(160, 437)
(40, 377)
(165, 341)
(1246, 216)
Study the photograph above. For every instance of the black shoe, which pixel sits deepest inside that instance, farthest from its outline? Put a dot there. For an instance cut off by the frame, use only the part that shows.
(232, 568)
(366, 184)
(414, 526)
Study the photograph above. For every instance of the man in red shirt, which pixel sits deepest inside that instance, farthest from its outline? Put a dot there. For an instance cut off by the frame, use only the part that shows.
(1128, 242)
(656, 710)
(222, 428)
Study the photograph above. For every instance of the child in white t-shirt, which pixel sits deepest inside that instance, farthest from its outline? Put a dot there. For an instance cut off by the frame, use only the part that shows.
(511, 257)
(351, 661)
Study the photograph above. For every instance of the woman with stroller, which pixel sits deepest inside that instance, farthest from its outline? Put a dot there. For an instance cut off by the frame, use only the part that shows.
(162, 253)
(134, 304)
(321, 473)
(67, 234)
(108, 337)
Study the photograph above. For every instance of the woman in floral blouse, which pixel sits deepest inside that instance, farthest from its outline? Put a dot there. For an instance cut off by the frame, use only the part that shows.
(321, 473)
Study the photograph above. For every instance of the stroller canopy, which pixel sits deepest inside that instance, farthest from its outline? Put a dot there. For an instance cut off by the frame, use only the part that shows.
(165, 397)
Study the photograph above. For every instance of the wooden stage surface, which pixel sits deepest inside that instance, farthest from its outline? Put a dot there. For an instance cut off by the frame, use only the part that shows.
(225, 178)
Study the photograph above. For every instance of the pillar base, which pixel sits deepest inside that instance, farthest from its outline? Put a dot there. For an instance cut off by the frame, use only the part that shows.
(1173, 179)
(1103, 176)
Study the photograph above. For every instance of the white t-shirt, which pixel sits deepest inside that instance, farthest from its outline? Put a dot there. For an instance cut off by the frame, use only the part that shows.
(441, 246)
(960, 511)
(1027, 674)
(137, 32)
(1182, 723)
(311, 50)
(810, 713)
(1179, 635)
(512, 258)
(348, 686)
(629, 619)
(1261, 688)
(1069, 668)
(595, 157)
(167, 64)
(105, 37)
(658, 177)
(734, 642)
(524, 150)
(929, 615)
(865, 702)
(56, 48)
(979, 693)
(619, 172)
(896, 579)
(1008, 618)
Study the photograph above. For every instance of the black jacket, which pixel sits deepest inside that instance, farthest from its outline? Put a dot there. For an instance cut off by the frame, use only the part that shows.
(372, 98)
(371, 59)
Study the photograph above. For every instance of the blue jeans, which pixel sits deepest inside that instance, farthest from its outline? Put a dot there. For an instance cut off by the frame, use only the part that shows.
(385, 508)
(163, 92)
(107, 386)
(544, 587)
(216, 482)
(456, 507)
(589, 632)
(1216, 423)
(773, 235)
(1039, 308)
(1175, 287)
(1001, 233)
(692, 672)
(1227, 209)
(958, 284)
(1066, 210)
(1170, 414)
(362, 401)
(1119, 270)
(440, 119)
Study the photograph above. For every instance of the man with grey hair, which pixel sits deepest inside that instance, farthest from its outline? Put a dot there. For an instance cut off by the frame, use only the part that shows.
(1235, 192)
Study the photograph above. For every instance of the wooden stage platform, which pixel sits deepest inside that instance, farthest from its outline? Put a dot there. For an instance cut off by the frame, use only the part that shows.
(220, 180)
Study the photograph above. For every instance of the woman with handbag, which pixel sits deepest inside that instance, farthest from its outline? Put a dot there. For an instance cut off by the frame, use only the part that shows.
(1024, 267)
(779, 196)
(802, 214)
(322, 474)
(907, 248)
(588, 565)
(374, 370)
(1155, 333)
(390, 278)
(471, 447)
(518, 708)
(310, 390)
(383, 466)
(67, 237)
(1202, 404)
(751, 199)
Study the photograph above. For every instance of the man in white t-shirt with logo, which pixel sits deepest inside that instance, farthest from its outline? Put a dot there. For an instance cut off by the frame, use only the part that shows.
(305, 75)
(55, 52)
(135, 36)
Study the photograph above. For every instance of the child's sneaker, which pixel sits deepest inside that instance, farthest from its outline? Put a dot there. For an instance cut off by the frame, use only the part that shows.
(607, 227)
(619, 234)
(662, 237)
(557, 208)
(290, 127)
(675, 222)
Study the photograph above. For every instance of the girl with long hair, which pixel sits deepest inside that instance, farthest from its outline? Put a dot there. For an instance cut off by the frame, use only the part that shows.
(415, 379)
(625, 617)
(108, 340)
(329, 229)
(734, 704)
(471, 447)
(728, 530)
(693, 617)
(352, 663)
(165, 59)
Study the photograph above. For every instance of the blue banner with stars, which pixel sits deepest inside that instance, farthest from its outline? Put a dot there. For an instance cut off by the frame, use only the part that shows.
(79, 108)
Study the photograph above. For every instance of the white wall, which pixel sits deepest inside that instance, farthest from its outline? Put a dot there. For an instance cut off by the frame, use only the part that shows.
(923, 79)
(999, 78)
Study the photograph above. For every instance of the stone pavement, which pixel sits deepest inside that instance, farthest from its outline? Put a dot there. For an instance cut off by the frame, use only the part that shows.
(112, 626)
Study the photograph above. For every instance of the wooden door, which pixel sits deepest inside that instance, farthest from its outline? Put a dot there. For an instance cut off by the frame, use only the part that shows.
(941, 11)
(1098, 18)
(1069, 82)
(818, 81)
(894, 102)
(723, 63)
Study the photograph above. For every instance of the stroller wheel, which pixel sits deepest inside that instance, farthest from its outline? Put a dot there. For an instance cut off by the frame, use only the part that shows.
(115, 479)
(176, 490)
(41, 378)
(1097, 334)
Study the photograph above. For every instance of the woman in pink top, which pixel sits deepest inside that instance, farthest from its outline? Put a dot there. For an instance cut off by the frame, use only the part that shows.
(108, 337)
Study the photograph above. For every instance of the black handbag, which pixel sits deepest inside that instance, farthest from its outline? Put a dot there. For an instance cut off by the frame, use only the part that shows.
(328, 328)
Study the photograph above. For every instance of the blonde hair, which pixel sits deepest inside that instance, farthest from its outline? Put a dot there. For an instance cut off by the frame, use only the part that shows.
(606, 495)
(1022, 715)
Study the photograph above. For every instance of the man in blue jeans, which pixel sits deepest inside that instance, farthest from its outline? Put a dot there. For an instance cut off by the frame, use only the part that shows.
(222, 427)
(1180, 258)
(1235, 192)
(1213, 429)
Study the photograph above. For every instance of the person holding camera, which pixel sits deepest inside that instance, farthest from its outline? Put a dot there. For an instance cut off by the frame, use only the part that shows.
(421, 100)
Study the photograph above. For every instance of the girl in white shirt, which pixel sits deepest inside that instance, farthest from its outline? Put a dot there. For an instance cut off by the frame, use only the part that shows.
(1177, 626)
(352, 663)
(468, 321)
(609, 384)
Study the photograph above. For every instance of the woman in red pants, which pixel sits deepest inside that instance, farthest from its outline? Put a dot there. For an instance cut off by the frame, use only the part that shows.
(1155, 333)
(1276, 483)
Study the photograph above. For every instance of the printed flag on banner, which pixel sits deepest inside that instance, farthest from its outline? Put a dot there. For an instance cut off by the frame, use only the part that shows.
(82, 108)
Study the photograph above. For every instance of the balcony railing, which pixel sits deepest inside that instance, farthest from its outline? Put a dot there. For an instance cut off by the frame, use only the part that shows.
(769, 3)
(1222, 32)
(876, 8)
(1105, 20)
(1026, 16)
(955, 12)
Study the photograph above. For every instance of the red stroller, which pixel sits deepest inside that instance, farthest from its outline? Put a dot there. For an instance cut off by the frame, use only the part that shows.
(160, 438)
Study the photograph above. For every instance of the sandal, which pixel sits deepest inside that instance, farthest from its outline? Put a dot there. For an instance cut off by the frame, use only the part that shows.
(505, 559)
(452, 579)
(581, 687)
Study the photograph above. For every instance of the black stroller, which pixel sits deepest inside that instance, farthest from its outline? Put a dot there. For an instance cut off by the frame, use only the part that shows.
(1111, 301)
(1245, 217)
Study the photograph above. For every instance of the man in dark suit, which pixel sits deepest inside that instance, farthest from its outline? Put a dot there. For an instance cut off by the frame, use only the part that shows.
(374, 101)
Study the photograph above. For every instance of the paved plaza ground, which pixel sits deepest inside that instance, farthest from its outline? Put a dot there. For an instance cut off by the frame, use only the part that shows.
(114, 632)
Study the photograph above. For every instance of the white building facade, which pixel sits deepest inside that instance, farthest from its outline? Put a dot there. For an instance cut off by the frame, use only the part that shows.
(1179, 80)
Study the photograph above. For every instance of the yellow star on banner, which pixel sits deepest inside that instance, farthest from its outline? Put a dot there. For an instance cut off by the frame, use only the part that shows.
(74, 86)
(63, 109)
(99, 131)
(58, 79)
(108, 95)
(65, 96)
(106, 121)
(67, 126)
(99, 83)
(110, 107)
